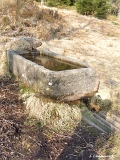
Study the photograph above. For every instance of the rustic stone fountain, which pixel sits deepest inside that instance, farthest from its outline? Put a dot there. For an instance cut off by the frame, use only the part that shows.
(54, 75)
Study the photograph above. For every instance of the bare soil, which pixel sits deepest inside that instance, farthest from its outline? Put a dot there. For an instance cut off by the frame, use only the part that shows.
(22, 137)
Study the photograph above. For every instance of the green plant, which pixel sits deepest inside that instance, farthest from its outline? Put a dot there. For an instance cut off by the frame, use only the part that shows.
(38, 0)
(85, 7)
(24, 88)
(98, 8)
(102, 7)
(60, 2)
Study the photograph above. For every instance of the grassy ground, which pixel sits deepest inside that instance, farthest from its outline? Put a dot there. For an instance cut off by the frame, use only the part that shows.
(59, 135)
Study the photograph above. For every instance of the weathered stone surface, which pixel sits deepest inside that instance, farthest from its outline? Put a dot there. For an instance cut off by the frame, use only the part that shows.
(66, 85)
(23, 45)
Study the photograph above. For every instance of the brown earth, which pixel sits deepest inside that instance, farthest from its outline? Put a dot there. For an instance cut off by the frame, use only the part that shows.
(22, 137)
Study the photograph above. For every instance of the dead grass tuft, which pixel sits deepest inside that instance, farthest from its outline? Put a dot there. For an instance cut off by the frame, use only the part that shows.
(58, 116)
(113, 18)
(28, 10)
(5, 20)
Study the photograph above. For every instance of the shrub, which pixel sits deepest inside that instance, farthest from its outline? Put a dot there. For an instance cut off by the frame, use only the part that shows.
(59, 2)
(102, 7)
(85, 7)
(98, 8)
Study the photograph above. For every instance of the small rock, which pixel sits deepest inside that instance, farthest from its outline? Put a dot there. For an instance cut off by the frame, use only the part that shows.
(111, 82)
(23, 45)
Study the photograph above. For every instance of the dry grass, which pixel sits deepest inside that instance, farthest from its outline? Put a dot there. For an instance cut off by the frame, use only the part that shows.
(111, 146)
(58, 116)
(28, 19)
(16, 10)
(112, 18)
(27, 9)
(61, 116)
(5, 20)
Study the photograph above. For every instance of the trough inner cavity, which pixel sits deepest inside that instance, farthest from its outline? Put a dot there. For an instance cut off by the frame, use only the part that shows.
(51, 63)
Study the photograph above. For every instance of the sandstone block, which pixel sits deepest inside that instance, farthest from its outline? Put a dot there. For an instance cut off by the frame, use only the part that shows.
(66, 85)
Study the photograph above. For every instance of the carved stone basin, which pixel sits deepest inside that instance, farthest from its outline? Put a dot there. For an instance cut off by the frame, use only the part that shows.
(54, 75)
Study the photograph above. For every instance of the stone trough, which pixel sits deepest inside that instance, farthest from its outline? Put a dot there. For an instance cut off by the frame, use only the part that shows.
(58, 77)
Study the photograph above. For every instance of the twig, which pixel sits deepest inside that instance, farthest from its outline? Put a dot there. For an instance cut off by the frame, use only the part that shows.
(81, 138)
(39, 144)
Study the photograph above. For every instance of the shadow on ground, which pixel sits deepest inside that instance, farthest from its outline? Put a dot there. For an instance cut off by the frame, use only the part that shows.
(82, 145)
(24, 138)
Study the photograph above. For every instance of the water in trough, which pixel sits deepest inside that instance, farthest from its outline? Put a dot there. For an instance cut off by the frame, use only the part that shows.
(50, 62)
